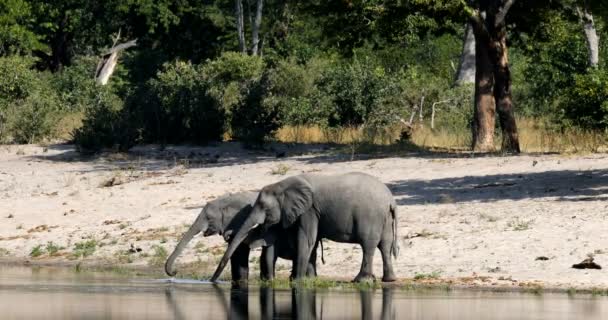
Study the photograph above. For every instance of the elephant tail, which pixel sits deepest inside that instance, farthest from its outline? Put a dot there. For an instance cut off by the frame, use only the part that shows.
(395, 246)
(322, 251)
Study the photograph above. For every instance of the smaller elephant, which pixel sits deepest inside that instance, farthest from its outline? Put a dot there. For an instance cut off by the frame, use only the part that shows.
(224, 216)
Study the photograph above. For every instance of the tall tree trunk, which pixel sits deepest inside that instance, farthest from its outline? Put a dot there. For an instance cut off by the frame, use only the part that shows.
(466, 69)
(590, 34)
(255, 30)
(502, 91)
(240, 25)
(485, 108)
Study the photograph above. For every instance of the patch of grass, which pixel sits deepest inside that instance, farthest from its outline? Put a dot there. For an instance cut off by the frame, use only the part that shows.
(280, 169)
(37, 251)
(123, 256)
(53, 249)
(427, 276)
(159, 256)
(535, 135)
(84, 249)
(315, 283)
(4, 252)
(518, 224)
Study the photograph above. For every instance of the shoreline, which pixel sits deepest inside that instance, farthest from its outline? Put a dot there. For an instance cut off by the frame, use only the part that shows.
(462, 220)
(403, 284)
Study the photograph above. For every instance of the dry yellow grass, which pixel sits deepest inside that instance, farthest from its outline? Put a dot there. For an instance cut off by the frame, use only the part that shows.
(535, 136)
(67, 124)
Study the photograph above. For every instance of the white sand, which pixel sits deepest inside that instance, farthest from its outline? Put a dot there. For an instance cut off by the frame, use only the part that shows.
(471, 220)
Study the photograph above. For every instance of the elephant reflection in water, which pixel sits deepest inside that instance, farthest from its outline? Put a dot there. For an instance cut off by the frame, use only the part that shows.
(303, 304)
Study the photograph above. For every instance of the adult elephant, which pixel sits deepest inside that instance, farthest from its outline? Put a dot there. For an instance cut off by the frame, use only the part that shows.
(226, 214)
(353, 208)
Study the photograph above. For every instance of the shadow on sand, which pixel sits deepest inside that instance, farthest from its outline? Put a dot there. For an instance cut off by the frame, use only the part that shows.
(565, 185)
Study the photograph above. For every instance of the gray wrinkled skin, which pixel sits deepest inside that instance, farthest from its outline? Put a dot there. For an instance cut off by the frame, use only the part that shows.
(225, 215)
(351, 208)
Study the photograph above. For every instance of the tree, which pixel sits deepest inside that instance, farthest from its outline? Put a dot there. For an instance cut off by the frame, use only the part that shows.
(466, 67)
(593, 42)
(492, 76)
(255, 24)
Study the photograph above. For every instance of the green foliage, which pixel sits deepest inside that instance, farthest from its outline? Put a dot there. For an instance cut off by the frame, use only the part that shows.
(586, 102)
(159, 256)
(179, 107)
(53, 249)
(238, 85)
(293, 90)
(105, 125)
(33, 119)
(18, 80)
(557, 52)
(15, 36)
(37, 251)
(84, 249)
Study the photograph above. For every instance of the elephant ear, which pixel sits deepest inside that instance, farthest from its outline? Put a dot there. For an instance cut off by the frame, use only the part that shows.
(297, 199)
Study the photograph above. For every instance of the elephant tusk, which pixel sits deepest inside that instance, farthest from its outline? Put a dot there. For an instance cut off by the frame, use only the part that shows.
(254, 226)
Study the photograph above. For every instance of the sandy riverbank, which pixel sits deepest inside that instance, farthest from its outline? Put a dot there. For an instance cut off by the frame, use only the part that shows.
(478, 220)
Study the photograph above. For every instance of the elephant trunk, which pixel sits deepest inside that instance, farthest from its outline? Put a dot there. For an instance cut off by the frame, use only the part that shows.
(249, 224)
(192, 231)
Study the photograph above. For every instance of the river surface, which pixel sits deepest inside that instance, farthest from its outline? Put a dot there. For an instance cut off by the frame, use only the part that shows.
(62, 293)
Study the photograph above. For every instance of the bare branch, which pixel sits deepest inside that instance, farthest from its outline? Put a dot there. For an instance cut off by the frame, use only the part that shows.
(122, 46)
(500, 16)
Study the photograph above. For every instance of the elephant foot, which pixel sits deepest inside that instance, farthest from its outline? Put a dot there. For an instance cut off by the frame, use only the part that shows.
(363, 277)
(389, 278)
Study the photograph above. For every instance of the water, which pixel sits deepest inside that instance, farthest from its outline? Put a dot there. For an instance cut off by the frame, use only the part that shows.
(60, 293)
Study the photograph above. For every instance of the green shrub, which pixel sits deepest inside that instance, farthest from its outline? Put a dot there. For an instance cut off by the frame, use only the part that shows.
(178, 108)
(586, 102)
(84, 249)
(18, 80)
(238, 84)
(75, 85)
(37, 251)
(253, 121)
(105, 125)
(293, 91)
(33, 118)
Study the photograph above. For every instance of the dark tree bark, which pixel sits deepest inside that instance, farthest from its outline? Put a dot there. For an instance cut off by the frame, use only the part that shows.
(466, 68)
(502, 90)
(493, 78)
(255, 30)
(240, 25)
(485, 109)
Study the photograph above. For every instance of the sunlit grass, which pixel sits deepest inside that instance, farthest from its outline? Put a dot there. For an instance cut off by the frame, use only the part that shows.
(535, 136)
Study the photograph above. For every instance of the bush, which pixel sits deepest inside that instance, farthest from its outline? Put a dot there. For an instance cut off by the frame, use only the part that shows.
(33, 119)
(75, 85)
(586, 102)
(178, 107)
(293, 91)
(238, 84)
(105, 125)
(18, 79)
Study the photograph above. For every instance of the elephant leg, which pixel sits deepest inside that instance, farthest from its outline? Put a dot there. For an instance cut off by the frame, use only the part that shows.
(311, 271)
(366, 271)
(267, 262)
(307, 238)
(239, 264)
(385, 246)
